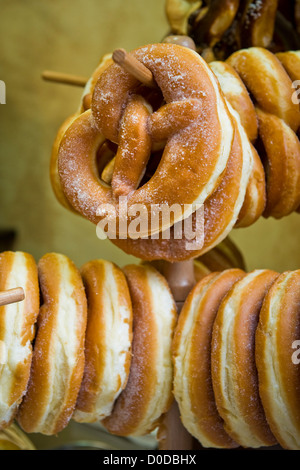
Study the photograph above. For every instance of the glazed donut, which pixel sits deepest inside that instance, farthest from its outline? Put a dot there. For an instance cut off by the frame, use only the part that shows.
(148, 393)
(224, 256)
(193, 389)
(278, 116)
(279, 377)
(279, 149)
(256, 196)
(196, 105)
(237, 95)
(178, 13)
(268, 83)
(234, 375)
(107, 341)
(223, 27)
(258, 23)
(291, 63)
(58, 356)
(17, 328)
(213, 21)
(54, 176)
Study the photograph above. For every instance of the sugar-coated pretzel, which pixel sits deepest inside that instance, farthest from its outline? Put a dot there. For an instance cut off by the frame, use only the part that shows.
(192, 106)
(17, 330)
(213, 21)
(220, 28)
(173, 123)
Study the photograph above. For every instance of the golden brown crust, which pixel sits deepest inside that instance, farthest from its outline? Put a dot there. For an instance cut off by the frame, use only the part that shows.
(108, 339)
(54, 177)
(268, 83)
(219, 218)
(81, 139)
(291, 63)
(148, 393)
(280, 153)
(279, 377)
(237, 95)
(20, 268)
(50, 398)
(192, 359)
(234, 374)
(256, 197)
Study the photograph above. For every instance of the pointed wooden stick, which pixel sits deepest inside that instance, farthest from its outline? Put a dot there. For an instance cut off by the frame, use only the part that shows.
(134, 67)
(172, 435)
(64, 78)
(11, 296)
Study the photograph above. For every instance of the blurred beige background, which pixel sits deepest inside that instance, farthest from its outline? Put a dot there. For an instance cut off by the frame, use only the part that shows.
(70, 36)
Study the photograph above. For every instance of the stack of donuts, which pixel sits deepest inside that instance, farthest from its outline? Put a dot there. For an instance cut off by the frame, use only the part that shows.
(222, 134)
(103, 344)
(236, 362)
(221, 27)
(83, 337)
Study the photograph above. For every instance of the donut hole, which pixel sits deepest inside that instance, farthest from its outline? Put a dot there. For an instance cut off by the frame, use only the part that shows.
(261, 150)
(153, 96)
(151, 167)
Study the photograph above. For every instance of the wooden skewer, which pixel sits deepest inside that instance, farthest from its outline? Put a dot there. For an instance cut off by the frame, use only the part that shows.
(11, 296)
(65, 78)
(134, 67)
(120, 57)
(172, 435)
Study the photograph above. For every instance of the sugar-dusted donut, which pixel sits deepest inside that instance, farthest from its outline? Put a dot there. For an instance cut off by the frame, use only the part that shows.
(234, 374)
(192, 359)
(107, 342)
(148, 393)
(278, 373)
(58, 356)
(17, 329)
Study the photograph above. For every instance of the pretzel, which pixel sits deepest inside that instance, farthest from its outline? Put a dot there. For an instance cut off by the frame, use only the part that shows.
(178, 12)
(86, 133)
(219, 218)
(212, 22)
(220, 28)
(258, 23)
(17, 329)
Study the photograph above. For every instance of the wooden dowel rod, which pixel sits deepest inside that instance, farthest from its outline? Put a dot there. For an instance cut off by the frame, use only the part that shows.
(11, 296)
(134, 67)
(172, 435)
(64, 78)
